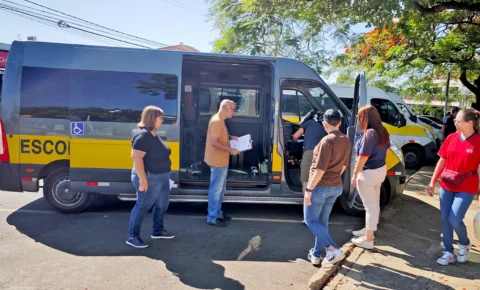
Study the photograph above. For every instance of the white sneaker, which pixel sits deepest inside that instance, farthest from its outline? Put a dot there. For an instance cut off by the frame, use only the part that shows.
(333, 257)
(446, 259)
(463, 252)
(363, 243)
(359, 233)
(313, 259)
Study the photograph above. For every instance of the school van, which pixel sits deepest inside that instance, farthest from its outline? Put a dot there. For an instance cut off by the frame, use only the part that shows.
(435, 129)
(68, 112)
(417, 142)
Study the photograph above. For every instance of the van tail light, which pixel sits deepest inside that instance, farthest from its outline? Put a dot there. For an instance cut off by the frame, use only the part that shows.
(4, 158)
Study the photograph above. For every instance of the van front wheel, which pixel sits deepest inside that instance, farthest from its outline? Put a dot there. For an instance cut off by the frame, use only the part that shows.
(56, 191)
(414, 157)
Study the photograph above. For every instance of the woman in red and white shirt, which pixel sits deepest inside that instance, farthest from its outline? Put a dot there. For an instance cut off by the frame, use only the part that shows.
(460, 161)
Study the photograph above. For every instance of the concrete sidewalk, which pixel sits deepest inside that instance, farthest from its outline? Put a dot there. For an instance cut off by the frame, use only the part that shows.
(408, 246)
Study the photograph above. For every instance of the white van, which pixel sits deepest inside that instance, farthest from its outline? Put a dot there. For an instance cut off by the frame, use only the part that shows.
(417, 142)
(408, 113)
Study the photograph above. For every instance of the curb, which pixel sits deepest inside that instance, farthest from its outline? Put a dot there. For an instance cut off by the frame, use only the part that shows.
(352, 253)
(322, 277)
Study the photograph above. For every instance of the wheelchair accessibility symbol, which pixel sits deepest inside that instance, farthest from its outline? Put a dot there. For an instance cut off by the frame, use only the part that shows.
(76, 128)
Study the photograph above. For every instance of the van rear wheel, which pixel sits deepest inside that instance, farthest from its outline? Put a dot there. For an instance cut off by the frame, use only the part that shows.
(56, 191)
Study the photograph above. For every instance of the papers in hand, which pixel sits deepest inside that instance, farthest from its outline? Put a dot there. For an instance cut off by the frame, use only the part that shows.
(243, 143)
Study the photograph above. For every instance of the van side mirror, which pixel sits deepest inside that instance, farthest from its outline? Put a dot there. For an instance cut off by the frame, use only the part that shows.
(401, 121)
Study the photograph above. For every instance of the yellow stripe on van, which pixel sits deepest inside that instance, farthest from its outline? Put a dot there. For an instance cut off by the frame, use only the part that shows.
(277, 160)
(37, 149)
(113, 154)
(409, 130)
(291, 119)
(83, 153)
(391, 159)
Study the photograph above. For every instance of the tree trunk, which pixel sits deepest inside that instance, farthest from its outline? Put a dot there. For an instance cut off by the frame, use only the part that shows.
(476, 105)
(473, 87)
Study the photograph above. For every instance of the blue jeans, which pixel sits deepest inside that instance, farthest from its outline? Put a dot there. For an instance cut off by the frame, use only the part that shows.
(317, 214)
(453, 206)
(156, 196)
(216, 191)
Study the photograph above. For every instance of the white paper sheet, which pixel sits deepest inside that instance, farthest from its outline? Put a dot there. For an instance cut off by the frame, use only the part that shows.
(243, 143)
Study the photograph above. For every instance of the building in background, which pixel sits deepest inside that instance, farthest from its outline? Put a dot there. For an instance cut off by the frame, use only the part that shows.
(459, 96)
(181, 47)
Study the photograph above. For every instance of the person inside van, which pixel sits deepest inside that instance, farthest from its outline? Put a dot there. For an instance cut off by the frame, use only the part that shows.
(217, 156)
(313, 132)
(330, 158)
(150, 177)
(370, 170)
(449, 124)
(458, 170)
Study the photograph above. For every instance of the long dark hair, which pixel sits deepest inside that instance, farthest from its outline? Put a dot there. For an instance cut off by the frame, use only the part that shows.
(369, 118)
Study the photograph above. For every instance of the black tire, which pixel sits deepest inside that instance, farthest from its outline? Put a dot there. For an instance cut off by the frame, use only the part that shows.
(56, 192)
(358, 209)
(414, 157)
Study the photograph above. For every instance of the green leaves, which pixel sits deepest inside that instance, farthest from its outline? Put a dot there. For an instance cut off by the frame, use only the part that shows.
(412, 42)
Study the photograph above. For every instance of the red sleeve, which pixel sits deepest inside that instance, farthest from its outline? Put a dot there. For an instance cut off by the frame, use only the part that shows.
(443, 149)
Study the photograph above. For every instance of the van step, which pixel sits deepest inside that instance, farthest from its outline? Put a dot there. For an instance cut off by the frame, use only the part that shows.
(229, 199)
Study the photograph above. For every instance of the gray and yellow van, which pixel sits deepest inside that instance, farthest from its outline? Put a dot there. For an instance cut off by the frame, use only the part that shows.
(68, 111)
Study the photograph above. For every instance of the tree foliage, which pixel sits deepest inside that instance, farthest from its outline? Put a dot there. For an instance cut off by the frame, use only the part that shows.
(413, 42)
(265, 28)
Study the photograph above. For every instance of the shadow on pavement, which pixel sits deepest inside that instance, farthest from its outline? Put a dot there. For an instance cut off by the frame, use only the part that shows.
(192, 254)
(410, 246)
(397, 279)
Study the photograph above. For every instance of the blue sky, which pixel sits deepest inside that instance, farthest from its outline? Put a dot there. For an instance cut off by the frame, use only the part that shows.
(164, 21)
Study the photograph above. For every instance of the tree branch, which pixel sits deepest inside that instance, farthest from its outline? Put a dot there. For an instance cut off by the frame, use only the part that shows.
(446, 5)
(462, 22)
(474, 88)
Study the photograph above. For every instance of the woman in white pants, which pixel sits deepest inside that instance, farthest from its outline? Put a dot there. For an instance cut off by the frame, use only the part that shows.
(370, 170)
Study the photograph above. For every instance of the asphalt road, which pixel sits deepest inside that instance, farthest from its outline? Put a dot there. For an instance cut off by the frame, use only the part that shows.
(264, 247)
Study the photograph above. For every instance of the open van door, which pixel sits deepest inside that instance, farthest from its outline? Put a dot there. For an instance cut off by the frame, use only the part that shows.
(350, 199)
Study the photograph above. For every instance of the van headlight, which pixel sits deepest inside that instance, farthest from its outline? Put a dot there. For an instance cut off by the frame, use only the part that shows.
(397, 152)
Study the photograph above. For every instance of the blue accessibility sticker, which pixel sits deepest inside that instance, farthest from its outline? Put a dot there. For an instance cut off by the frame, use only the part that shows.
(76, 128)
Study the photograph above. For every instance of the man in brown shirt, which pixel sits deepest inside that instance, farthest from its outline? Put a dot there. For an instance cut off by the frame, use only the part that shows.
(330, 158)
(217, 151)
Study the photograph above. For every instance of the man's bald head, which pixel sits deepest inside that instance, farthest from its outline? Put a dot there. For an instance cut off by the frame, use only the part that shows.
(225, 104)
(227, 108)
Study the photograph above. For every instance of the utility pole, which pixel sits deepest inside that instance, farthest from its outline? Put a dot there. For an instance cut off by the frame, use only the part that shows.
(446, 95)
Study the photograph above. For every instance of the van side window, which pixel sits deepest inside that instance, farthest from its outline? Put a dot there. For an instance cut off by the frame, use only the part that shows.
(100, 96)
(388, 111)
(294, 105)
(348, 103)
(247, 100)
